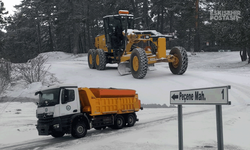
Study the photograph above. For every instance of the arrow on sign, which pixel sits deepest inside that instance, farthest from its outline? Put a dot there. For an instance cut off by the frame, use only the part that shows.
(174, 97)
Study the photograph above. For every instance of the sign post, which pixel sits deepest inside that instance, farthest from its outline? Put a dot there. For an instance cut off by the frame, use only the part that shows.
(180, 127)
(204, 96)
(219, 127)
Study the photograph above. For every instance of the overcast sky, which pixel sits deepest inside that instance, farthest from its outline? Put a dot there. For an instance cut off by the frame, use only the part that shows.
(8, 4)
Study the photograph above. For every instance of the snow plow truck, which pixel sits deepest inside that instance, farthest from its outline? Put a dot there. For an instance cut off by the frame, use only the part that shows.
(134, 50)
(74, 110)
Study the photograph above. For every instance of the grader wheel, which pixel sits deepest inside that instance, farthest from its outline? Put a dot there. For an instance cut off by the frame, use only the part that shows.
(100, 59)
(91, 59)
(138, 63)
(179, 67)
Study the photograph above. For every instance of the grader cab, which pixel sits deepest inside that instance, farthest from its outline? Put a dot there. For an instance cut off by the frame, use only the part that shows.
(133, 50)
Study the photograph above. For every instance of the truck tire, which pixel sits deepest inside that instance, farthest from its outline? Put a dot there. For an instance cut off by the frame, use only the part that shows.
(91, 58)
(57, 134)
(100, 59)
(79, 130)
(180, 67)
(138, 63)
(119, 122)
(131, 120)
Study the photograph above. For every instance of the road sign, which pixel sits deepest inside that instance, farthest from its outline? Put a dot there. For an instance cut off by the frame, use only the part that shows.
(205, 96)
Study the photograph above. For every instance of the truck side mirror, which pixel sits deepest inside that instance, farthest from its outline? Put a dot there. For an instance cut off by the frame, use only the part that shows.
(39, 92)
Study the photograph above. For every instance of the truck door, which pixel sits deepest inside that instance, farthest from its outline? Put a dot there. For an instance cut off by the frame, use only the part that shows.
(70, 103)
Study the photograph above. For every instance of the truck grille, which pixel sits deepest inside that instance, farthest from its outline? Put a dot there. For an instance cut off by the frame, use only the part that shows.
(44, 116)
(45, 121)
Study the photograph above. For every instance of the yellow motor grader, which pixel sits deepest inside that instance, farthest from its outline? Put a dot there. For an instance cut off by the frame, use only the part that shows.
(133, 50)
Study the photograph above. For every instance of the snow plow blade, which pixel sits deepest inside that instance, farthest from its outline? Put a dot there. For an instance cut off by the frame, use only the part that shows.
(124, 68)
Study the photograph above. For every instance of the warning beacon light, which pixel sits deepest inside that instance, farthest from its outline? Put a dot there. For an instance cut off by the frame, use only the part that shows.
(123, 12)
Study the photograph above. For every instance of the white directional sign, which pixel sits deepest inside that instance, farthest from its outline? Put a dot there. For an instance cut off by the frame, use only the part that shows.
(212, 95)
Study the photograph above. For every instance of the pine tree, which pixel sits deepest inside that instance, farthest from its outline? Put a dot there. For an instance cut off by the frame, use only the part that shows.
(3, 18)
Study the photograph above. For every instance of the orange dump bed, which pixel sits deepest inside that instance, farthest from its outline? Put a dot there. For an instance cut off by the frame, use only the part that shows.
(97, 101)
(101, 93)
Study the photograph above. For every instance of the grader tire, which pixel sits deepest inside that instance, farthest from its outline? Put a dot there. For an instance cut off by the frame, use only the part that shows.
(138, 63)
(100, 59)
(91, 59)
(181, 67)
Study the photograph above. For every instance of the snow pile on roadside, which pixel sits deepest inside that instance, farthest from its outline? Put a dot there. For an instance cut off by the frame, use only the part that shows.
(226, 61)
(57, 55)
(20, 89)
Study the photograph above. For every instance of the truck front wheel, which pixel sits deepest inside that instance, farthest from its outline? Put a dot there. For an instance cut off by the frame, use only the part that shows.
(57, 134)
(79, 130)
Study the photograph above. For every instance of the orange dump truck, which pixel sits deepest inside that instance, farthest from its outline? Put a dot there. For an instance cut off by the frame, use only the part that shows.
(72, 110)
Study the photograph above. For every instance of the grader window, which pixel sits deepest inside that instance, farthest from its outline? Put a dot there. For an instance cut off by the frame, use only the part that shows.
(106, 29)
(130, 22)
(114, 26)
(114, 31)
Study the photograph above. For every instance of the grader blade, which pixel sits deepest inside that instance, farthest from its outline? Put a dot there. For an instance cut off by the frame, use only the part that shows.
(124, 68)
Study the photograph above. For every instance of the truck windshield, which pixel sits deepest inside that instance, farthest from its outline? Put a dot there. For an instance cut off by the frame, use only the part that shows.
(49, 97)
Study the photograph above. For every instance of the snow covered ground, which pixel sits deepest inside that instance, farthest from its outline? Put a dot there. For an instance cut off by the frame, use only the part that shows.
(157, 128)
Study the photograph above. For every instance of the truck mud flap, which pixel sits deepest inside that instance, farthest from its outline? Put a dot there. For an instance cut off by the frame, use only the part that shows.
(43, 129)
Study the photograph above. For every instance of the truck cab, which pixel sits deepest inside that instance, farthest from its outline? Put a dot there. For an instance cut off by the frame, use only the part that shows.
(55, 104)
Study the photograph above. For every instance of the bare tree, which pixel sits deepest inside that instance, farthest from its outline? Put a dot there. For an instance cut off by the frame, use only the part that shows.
(34, 70)
(5, 74)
